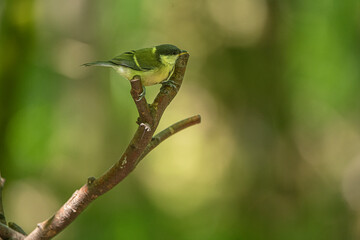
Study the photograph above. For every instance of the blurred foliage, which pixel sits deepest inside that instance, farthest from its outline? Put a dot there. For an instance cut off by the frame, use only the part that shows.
(277, 155)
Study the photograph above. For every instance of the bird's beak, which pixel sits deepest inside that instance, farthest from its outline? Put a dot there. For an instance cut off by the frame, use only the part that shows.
(183, 52)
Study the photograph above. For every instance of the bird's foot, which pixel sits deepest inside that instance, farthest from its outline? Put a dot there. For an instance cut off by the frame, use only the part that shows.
(146, 126)
(142, 94)
(170, 83)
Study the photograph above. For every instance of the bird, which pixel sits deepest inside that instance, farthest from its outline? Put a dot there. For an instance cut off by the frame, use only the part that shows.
(154, 65)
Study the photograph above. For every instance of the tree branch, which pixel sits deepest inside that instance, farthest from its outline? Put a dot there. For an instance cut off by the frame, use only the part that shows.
(149, 117)
(140, 101)
(8, 233)
(167, 92)
(168, 132)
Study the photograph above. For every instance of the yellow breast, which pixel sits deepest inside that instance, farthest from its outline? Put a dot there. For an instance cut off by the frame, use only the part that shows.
(150, 77)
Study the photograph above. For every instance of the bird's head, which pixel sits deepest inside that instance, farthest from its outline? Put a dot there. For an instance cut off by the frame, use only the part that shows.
(168, 53)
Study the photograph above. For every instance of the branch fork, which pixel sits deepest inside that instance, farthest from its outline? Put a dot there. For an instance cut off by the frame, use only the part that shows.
(141, 144)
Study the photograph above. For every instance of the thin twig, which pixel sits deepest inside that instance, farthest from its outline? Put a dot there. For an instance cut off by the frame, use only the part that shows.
(8, 233)
(149, 117)
(166, 133)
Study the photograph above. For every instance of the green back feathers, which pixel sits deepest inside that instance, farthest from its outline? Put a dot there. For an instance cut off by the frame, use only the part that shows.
(145, 59)
(141, 60)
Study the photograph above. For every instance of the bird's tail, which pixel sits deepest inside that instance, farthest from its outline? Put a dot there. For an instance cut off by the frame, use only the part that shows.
(99, 64)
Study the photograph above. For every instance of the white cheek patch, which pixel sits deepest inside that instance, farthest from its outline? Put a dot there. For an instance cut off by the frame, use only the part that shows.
(169, 60)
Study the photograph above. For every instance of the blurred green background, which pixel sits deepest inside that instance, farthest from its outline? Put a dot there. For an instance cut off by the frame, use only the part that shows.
(276, 82)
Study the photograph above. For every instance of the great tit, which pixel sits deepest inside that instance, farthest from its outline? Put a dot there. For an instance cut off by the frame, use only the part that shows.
(153, 65)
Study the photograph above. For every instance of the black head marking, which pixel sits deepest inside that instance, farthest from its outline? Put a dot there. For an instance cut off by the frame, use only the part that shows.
(167, 49)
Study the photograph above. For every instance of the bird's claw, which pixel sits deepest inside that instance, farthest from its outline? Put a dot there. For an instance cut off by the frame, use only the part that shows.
(142, 94)
(146, 126)
(171, 83)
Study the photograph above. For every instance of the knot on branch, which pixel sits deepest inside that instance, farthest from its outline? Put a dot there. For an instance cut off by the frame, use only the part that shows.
(91, 180)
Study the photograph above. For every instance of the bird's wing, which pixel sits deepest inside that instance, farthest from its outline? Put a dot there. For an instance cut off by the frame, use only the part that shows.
(126, 59)
(140, 60)
(147, 59)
